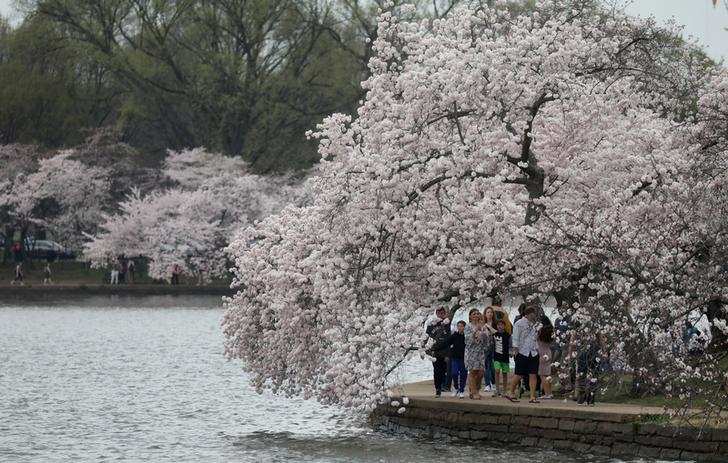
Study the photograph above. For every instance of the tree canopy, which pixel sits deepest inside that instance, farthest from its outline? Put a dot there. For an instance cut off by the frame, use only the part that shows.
(569, 152)
(241, 77)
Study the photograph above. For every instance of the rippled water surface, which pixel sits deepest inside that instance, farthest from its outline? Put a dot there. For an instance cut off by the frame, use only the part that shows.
(144, 379)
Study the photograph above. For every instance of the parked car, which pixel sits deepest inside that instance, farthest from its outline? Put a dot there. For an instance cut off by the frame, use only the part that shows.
(47, 249)
(43, 249)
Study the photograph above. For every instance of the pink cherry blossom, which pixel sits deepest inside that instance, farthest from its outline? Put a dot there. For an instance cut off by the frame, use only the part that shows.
(189, 224)
(533, 154)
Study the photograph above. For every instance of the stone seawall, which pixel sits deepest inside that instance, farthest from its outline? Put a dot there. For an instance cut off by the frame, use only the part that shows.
(8, 292)
(583, 430)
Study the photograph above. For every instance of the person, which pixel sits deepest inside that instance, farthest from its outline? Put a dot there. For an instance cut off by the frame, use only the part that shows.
(561, 333)
(521, 308)
(567, 366)
(489, 372)
(525, 348)
(476, 342)
(47, 274)
(500, 313)
(18, 275)
(114, 275)
(501, 357)
(692, 338)
(587, 371)
(176, 270)
(543, 321)
(456, 343)
(17, 250)
(523, 384)
(439, 331)
(545, 339)
(123, 266)
(130, 270)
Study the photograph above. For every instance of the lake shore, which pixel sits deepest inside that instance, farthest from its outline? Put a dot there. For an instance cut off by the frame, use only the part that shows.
(73, 278)
(613, 430)
(14, 291)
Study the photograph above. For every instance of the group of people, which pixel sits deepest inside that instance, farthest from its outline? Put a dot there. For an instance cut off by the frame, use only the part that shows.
(19, 275)
(122, 271)
(477, 355)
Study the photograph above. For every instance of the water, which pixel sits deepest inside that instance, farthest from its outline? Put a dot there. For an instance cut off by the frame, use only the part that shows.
(144, 379)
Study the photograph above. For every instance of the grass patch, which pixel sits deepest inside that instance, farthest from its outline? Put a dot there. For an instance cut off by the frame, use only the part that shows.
(68, 272)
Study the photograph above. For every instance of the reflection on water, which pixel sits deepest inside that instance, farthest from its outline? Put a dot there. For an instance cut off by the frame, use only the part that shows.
(144, 379)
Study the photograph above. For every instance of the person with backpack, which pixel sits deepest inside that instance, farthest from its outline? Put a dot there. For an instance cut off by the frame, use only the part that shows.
(438, 329)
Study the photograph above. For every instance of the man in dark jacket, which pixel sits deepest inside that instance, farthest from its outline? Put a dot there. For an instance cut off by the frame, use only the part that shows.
(439, 330)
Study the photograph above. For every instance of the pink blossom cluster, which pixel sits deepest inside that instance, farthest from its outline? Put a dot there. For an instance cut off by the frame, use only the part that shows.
(190, 223)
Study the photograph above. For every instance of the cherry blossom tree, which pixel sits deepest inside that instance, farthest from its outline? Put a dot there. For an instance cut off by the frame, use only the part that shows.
(189, 224)
(536, 154)
(63, 196)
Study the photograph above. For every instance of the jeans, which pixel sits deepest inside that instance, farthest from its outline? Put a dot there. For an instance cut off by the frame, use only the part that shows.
(459, 374)
(439, 367)
(447, 384)
(489, 372)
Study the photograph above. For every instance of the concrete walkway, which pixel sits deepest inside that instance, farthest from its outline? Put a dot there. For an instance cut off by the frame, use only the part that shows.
(613, 430)
(422, 392)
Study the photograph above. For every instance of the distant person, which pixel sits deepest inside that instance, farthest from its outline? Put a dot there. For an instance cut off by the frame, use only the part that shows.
(123, 267)
(114, 275)
(17, 250)
(439, 331)
(501, 357)
(130, 270)
(476, 342)
(457, 360)
(545, 357)
(490, 327)
(525, 347)
(176, 270)
(18, 275)
(47, 279)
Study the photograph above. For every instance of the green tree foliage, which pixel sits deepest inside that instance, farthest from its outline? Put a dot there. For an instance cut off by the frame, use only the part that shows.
(246, 77)
(49, 92)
